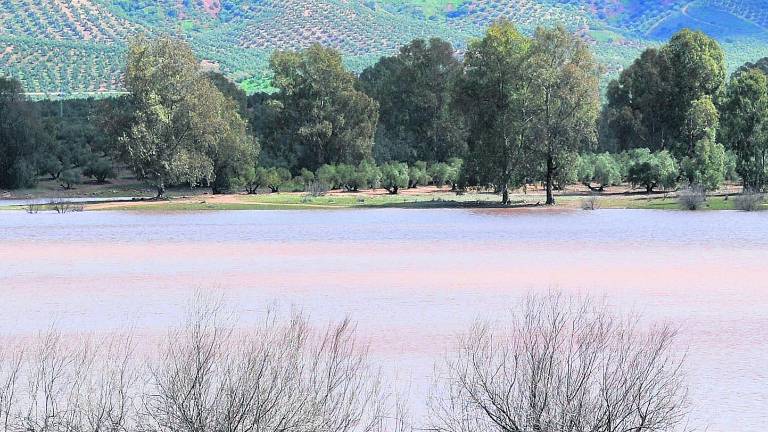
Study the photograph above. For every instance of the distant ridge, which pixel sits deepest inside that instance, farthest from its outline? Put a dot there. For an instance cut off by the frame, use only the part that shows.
(75, 47)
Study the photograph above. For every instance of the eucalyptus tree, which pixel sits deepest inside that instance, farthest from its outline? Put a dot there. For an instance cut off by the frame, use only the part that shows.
(648, 104)
(22, 136)
(413, 89)
(563, 99)
(745, 126)
(318, 115)
(493, 95)
(183, 130)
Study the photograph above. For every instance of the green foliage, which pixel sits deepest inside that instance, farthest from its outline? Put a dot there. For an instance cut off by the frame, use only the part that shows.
(413, 92)
(307, 177)
(745, 126)
(394, 176)
(651, 170)
(648, 104)
(417, 174)
(528, 103)
(350, 177)
(491, 94)
(70, 177)
(370, 174)
(100, 168)
(603, 169)
(183, 130)
(329, 175)
(707, 167)
(564, 99)
(22, 138)
(275, 178)
(318, 117)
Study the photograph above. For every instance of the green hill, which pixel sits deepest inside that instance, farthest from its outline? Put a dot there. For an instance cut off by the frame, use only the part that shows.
(76, 46)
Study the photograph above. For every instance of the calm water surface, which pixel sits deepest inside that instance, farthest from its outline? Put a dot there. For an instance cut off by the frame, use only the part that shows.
(411, 279)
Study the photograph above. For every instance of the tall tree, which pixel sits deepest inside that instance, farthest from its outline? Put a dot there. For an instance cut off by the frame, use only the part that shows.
(319, 115)
(22, 137)
(564, 99)
(492, 95)
(648, 104)
(413, 91)
(745, 126)
(181, 123)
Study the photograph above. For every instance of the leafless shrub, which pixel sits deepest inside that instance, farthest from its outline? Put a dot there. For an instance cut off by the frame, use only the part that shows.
(209, 375)
(54, 384)
(748, 201)
(562, 365)
(590, 203)
(276, 377)
(692, 198)
(33, 208)
(62, 206)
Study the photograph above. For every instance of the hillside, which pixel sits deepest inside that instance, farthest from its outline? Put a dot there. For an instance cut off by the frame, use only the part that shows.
(76, 46)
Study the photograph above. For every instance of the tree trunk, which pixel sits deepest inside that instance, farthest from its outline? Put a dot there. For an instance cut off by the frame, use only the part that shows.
(505, 195)
(550, 179)
(160, 190)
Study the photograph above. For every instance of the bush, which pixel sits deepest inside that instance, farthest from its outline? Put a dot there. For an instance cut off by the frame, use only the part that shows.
(307, 177)
(327, 174)
(749, 201)
(707, 167)
(70, 177)
(417, 174)
(692, 198)
(101, 169)
(439, 173)
(394, 176)
(350, 178)
(276, 178)
(602, 169)
(370, 174)
(651, 170)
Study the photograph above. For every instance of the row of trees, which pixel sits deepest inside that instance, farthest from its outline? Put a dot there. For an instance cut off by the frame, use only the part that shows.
(516, 109)
(391, 176)
(562, 364)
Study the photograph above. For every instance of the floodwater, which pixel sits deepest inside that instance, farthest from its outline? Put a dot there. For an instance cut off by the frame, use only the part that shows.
(411, 279)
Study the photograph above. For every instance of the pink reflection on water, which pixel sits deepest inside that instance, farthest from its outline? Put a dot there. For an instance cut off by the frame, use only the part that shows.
(410, 298)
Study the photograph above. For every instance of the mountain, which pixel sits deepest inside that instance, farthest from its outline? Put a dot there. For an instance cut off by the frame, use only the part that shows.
(76, 46)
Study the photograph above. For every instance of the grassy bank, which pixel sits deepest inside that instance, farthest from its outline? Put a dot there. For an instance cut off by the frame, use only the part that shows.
(423, 197)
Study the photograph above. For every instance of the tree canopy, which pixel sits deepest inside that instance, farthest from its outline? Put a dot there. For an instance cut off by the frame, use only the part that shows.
(413, 89)
(318, 116)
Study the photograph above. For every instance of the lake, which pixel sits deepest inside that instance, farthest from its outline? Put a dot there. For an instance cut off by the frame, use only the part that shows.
(411, 279)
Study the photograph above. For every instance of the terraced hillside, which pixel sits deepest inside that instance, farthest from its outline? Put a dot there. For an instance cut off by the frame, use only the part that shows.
(75, 46)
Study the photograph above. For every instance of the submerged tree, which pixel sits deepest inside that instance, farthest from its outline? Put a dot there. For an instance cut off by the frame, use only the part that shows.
(562, 364)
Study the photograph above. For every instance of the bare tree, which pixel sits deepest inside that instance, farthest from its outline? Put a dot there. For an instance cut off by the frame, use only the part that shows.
(279, 376)
(11, 358)
(563, 364)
